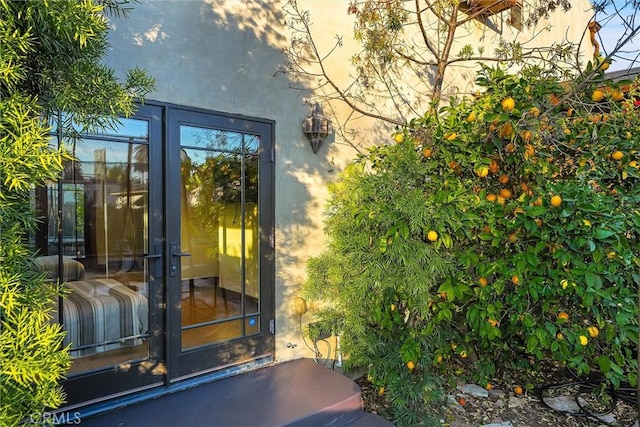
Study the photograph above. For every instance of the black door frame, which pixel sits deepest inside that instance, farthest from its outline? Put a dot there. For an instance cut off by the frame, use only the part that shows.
(182, 364)
(148, 373)
(164, 335)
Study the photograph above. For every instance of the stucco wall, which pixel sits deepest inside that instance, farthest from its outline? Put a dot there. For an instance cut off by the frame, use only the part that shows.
(223, 56)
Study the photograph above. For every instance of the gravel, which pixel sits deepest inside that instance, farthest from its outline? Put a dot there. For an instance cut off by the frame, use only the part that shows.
(469, 405)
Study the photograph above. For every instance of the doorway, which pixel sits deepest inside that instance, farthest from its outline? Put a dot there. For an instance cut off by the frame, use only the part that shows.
(161, 231)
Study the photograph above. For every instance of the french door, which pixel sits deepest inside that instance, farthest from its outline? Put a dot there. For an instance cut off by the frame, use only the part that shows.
(219, 192)
(160, 230)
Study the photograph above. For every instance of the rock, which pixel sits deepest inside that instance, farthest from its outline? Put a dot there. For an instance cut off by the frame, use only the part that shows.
(563, 404)
(502, 424)
(474, 390)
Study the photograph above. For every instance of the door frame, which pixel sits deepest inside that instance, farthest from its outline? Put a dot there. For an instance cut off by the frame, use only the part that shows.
(117, 386)
(183, 364)
(140, 374)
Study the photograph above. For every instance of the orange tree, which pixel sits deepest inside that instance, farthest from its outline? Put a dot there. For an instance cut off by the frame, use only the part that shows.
(501, 229)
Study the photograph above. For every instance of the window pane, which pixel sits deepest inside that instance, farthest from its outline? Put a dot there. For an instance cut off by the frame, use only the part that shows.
(212, 139)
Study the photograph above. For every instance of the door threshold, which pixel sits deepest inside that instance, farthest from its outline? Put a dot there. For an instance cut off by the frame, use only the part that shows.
(112, 403)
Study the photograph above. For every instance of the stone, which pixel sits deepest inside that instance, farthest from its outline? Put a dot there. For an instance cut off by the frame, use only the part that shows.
(474, 390)
(502, 424)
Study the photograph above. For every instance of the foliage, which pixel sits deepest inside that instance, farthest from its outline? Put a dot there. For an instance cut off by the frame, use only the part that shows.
(448, 248)
(51, 53)
(407, 50)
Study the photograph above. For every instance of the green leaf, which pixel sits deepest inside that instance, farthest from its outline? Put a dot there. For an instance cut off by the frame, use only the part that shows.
(593, 280)
(604, 363)
(602, 234)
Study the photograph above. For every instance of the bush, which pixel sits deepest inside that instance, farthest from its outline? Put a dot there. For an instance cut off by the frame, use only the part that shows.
(501, 230)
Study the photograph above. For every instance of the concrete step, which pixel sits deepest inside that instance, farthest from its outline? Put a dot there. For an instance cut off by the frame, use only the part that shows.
(299, 393)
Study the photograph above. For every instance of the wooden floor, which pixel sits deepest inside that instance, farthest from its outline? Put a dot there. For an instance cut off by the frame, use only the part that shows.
(298, 393)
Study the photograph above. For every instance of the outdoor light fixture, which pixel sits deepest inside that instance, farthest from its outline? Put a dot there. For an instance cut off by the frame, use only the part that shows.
(317, 127)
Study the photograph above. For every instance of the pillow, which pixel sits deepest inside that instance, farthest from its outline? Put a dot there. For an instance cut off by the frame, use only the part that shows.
(71, 269)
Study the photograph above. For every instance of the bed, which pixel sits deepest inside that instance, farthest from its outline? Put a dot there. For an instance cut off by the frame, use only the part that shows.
(103, 314)
(71, 269)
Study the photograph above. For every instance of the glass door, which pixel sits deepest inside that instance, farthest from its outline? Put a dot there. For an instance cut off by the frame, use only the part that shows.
(218, 233)
(100, 236)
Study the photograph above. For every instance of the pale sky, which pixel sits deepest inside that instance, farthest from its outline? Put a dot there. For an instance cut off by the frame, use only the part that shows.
(613, 30)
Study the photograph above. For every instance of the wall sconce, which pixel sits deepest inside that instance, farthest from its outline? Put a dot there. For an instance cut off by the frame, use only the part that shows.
(317, 127)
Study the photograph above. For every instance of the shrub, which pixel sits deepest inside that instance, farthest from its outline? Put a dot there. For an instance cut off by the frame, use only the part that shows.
(490, 217)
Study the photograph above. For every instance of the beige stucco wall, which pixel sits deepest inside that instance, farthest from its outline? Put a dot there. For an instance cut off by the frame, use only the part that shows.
(223, 56)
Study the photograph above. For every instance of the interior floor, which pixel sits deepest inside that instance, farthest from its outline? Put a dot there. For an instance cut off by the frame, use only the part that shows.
(210, 314)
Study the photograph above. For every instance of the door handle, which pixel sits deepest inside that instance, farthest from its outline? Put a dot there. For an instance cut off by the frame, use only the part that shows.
(175, 255)
(156, 267)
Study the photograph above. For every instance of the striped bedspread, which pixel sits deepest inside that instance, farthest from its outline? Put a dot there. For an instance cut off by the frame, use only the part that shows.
(102, 310)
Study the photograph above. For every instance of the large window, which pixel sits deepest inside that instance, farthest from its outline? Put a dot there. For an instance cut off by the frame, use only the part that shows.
(92, 234)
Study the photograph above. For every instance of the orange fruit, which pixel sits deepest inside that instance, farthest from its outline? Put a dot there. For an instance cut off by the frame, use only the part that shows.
(556, 201)
(583, 340)
(563, 315)
(505, 193)
(617, 155)
(503, 179)
(604, 64)
(483, 281)
(427, 152)
(450, 136)
(482, 171)
(453, 164)
(529, 151)
(491, 197)
(411, 365)
(508, 104)
(398, 137)
(471, 117)
(515, 280)
(432, 236)
(593, 331)
(506, 130)
(518, 390)
(493, 322)
(489, 386)
(617, 95)
(597, 95)
(494, 166)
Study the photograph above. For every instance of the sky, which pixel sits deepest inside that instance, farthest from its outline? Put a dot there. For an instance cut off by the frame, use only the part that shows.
(613, 29)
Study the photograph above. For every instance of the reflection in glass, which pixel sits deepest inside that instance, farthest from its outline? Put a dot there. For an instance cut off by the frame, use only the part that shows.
(94, 230)
(219, 228)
